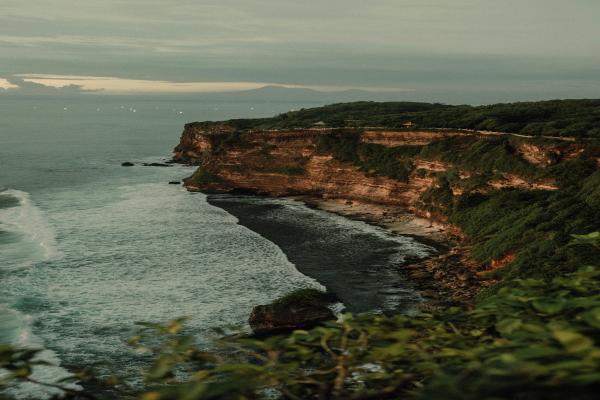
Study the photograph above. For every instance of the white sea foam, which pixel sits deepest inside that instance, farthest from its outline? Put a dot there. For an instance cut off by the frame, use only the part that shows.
(15, 329)
(145, 252)
(34, 241)
(36, 237)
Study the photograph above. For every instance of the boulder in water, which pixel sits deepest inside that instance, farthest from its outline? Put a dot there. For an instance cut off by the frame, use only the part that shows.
(301, 309)
(174, 182)
(127, 164)
(155, 164)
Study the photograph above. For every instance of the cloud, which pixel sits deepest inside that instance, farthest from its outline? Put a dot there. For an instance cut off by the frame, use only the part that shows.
(166, 45)
(19, 86)
(6, 85)
(120, 86)
(415, 44)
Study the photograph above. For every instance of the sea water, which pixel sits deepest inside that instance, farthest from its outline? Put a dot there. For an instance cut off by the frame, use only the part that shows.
(88, 247)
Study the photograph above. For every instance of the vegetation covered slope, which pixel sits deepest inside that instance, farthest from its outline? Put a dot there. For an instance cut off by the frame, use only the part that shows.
(533, 227)
(569, 118)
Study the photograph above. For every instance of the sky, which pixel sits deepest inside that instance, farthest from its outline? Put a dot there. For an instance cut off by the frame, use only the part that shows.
(440, 50)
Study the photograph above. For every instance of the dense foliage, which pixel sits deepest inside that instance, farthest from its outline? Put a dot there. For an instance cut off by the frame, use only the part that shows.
(532, 226)
(489, 155)
(395, 163)
(577, 118)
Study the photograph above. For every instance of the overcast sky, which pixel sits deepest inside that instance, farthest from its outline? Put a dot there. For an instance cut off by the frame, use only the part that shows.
(477, 50)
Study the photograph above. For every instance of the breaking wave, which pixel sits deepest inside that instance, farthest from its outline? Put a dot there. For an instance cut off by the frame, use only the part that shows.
(26, 237)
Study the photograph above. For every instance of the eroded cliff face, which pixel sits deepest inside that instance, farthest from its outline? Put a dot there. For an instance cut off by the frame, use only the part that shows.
(549, 154)
(286, 163)
(391, 138)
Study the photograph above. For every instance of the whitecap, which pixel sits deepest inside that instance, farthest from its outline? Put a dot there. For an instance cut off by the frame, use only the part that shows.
(32, 237)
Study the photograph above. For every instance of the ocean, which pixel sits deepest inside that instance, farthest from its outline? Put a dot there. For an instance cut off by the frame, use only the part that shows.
(88, 247)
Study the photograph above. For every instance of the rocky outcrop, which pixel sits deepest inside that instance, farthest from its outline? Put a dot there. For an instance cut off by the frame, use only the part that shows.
(513, 181)
(391, 138)
(301, 309)
(197, 139)
(546, 155)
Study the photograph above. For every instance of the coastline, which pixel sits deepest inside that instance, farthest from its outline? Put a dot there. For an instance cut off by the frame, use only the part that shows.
(448, 278)
(355, 260)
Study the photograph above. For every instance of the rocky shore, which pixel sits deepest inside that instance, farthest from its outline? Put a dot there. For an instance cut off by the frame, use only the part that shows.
(449, 278)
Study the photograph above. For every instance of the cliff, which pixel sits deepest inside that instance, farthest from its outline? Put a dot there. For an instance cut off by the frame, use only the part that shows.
(512, 197)
(293, 162)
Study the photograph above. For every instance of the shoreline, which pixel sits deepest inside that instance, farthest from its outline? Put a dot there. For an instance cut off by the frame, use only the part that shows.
(447, 279)
(355, 260)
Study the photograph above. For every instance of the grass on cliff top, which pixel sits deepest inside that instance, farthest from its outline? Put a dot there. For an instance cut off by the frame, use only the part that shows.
(577, 118)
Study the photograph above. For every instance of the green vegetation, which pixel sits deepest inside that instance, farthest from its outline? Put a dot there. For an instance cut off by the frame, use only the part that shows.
(590, 191)
(480, 155)
(373, 159)
(577, 118)
(536, 226)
